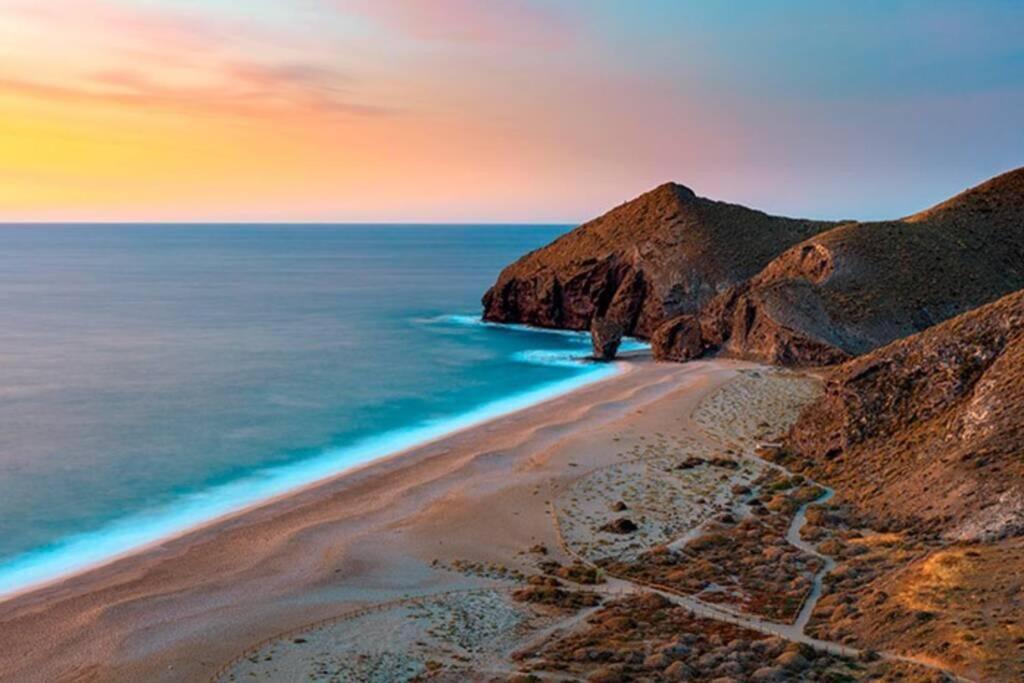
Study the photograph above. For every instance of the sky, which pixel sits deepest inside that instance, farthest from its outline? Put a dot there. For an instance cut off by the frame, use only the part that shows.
(510, 111)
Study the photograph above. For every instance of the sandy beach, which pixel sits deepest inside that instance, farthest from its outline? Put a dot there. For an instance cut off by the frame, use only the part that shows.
(406, 526)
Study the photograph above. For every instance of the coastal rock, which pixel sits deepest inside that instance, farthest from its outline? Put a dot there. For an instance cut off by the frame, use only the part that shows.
(679, 339)
(606, 335)
(698, 276)
(661, 255)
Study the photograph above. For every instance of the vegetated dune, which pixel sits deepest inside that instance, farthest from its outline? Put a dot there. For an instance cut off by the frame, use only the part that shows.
(858, 286)
(928, 432)
(663, 254)
(923, 441)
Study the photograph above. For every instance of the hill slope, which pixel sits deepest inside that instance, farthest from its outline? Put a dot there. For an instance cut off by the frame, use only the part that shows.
(858, 286)
(923, 441)
(665, 253)
(928, 432)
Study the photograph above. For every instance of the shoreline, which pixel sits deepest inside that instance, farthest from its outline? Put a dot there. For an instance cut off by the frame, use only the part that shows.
(184, 606)
(431, 432)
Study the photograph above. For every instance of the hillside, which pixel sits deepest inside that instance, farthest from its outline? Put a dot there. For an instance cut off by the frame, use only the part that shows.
(663, 254)
(858, 286)
(923, 442)
(927, 431)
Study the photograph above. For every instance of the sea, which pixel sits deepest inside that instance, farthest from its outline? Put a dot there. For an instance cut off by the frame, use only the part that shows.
(156, 377)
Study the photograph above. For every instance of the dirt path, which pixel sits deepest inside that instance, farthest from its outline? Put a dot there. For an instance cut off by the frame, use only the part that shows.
(794, 539)
(794, 632)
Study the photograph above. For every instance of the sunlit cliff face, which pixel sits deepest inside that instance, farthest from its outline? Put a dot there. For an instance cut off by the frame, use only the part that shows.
(460, 110)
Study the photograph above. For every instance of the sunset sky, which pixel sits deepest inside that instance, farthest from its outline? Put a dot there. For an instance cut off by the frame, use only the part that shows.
(471, 110)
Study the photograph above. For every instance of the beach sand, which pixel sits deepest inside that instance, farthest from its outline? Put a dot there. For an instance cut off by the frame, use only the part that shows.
(449, 522)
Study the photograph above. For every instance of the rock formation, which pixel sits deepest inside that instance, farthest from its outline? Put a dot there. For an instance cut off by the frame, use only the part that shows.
(699, 276)
(928, 432)
(606, 335)
(858, 286)
(663, 254)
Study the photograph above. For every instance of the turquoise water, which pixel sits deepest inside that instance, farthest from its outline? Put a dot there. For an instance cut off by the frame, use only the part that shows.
(156, 377)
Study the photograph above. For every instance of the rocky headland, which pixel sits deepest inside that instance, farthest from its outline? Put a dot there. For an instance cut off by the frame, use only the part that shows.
(698, 276)
(661, 255)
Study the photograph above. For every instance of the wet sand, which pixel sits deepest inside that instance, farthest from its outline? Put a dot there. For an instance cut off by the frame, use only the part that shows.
(185, 608)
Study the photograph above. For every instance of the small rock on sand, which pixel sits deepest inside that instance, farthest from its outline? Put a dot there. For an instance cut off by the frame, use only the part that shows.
(622, 525)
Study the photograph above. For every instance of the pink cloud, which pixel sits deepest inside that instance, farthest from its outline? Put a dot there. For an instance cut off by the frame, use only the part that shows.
(520, 24)
(164, 59)
(249, 90)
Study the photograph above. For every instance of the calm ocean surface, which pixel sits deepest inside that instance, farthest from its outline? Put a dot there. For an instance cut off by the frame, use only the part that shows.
(154, 377)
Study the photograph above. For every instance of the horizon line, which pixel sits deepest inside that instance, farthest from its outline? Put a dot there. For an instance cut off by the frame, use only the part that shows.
(201, 223)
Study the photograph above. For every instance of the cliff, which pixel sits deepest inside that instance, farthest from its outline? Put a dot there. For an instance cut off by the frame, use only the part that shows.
(858, 286)
(663, 254)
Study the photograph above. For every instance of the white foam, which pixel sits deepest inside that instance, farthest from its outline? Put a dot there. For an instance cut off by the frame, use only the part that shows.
(476, 321)
(558, 359)
(571, 358)
(139, 529)
(628, 343)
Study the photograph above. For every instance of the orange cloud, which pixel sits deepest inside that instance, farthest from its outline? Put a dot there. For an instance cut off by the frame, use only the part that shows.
(106, 53)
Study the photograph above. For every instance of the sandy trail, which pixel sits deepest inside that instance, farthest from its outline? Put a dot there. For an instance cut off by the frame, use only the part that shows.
(794, 538)
(727, 416)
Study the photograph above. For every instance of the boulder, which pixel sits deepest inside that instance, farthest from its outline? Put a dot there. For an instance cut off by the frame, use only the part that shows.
(679, 339)
(769, 674)
(657, 661)
(792, 660)
(606, 336)
(677, 671)
(607, 674)
(622, 525)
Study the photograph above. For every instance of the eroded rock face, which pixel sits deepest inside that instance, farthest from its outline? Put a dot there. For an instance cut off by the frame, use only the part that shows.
(606, 336)
(738, 322)
(859, 286)
(679, 339)
(698, 276)
(928, 432)
(664, 254)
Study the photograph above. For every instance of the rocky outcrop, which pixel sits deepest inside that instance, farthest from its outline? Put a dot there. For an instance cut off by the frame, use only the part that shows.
(606, 335)
(858, 286)
(927, 432)
(663, 254)
(747, 323)
(680, 339)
